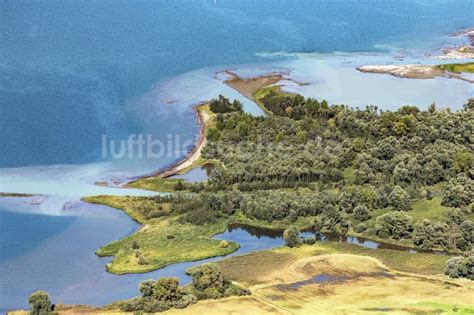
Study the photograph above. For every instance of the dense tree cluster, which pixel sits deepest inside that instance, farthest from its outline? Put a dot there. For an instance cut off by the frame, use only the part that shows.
(165, 293)
(395, 224)
(308, 140)
(223, 105)
(368, 159)
(427, 235)
(209, 283)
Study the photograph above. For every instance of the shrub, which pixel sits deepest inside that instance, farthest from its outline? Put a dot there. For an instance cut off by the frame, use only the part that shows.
(395, 224)
(467, 231)
(429, 236)
(361, 213)
(361, 227)
(292, 237)
(310, 240)
(154, 306)
(185, 301)
(40, 303)
(460, 267)
(132, 305)
(142, 260)
(135, 245)
(146, 288)
(235, 290)
(458, 192)
(455, 216)
(399, 199)
(166, 289)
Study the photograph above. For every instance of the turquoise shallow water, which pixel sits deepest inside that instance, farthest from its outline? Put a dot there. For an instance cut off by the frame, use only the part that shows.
(73, 71)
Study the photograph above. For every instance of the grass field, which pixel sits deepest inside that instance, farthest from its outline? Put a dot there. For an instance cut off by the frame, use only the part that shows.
(265, 262)
(159, 242)
(162, 243)
(156, 184)
(421, 209)
(373, 282)
(458, 67)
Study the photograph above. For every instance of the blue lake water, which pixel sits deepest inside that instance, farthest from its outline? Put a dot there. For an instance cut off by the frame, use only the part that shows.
(73, 71)
(56, 254)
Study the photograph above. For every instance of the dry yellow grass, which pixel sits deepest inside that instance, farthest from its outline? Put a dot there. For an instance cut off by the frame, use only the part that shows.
(360, 285)
(248, 305)
(399, 295)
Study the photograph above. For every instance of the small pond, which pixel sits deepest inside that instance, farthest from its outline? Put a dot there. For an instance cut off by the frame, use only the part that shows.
(197, 174)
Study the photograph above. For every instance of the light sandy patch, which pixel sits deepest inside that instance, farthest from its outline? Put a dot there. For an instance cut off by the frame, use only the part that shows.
(466, 52)
(248, 87)
(412, 71)
(194, 154)
(404, 71)
(335, 264)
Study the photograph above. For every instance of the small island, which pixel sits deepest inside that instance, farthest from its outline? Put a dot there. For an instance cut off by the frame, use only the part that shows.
(424, 71)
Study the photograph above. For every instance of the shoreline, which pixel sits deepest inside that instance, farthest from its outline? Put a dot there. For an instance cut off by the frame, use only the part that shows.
(413, 71)
(429, 71)
(464, 51)
(246, 87)
(192, 156)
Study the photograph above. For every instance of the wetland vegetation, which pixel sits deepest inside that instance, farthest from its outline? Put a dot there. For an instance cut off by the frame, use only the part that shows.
(401, 177)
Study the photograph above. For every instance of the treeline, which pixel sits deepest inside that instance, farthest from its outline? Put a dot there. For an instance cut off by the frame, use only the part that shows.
(453, 232)
(165, 293)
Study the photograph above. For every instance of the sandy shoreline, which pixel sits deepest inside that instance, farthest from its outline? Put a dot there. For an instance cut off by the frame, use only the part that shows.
(428, 71)
(413, 71)
(463, 52)
(246, 87)
(192, 155)
(404, 71)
